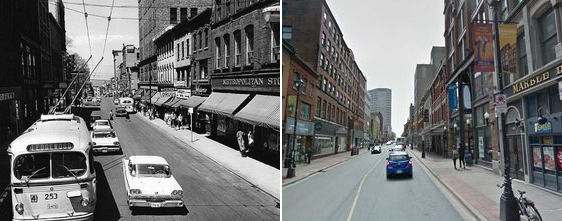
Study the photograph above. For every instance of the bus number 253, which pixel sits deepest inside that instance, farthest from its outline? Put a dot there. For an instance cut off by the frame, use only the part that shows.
(51, 196)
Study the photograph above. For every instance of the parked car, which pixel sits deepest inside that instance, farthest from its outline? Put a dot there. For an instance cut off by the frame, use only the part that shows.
(105, 140)
(399, 163)
(101, 124)
(120, 112)
(149, 183)
(376, 149)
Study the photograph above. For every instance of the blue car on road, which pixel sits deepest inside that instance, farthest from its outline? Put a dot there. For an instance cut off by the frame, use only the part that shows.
(398, 163)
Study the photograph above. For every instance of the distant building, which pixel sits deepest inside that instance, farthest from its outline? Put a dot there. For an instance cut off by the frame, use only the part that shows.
(381, 102)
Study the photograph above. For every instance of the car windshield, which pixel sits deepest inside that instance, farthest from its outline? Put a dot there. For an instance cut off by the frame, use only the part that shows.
(37, 166)
(153, 170)
(102, 123)
(105, 134)
(398, 157)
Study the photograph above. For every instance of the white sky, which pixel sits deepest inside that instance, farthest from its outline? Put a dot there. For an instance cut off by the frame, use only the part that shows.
(388, 38)
(120, 32)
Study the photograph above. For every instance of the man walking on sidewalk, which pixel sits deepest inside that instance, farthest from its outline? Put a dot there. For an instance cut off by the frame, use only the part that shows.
(240, 138)
(462, 162)
(455, 153)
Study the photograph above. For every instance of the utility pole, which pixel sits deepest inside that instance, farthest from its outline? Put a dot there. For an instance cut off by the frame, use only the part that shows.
(508, 202)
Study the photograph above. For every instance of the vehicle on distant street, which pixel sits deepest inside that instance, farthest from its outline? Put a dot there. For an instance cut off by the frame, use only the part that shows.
(128, 103)
(120, 112)
(105, 140)
(396, 148)
(101, 124)
(376, 149)
(400, 140)
(399, 163)
(149, 183)
(116, 101)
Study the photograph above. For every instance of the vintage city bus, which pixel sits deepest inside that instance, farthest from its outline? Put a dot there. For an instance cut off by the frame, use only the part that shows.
(52, 170)
(128, 103)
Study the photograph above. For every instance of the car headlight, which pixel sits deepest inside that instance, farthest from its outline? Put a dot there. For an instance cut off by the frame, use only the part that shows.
(85, 202)
(116, 143)
(135, 191)
(19, 208)
(177, 192)
(93, 143)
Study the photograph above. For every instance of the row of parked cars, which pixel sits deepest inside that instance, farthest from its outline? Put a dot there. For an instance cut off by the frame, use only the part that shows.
(148, 179)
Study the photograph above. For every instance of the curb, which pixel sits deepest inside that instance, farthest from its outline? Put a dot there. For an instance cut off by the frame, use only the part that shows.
(463, 202)
(318, 171)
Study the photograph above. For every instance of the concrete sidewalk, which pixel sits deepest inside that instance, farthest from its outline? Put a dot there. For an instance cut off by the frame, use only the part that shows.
(257, 173)
(303, 171)
(475, 187)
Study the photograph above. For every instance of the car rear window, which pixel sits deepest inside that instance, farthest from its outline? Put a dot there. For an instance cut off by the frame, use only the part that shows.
(398, 157)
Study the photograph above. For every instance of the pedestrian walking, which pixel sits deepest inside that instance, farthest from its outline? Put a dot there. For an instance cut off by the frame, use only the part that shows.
(462, 162)
(111, 114)
(180, 121)
(455, 153)
(240, 138)
(127, 116)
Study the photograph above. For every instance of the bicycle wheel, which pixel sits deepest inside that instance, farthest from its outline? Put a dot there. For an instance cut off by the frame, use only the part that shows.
(533, 213)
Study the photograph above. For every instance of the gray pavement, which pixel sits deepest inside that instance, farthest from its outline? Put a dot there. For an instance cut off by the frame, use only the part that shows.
(357, 189)
(211, 191)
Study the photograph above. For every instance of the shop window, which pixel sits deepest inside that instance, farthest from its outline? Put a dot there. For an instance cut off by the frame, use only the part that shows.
(318, 106)
(555, 103)
(287, 32)
(522, 55)
(531, 106)
(305, 111)
(547, 31)
(537, 159)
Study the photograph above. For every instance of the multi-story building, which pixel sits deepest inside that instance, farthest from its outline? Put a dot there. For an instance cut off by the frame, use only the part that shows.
(295, 69)
(117, 61)
(245, 76)
(33, 47)
(129, 67)
(154, 17)
(381, 102)
(439, 115)
(312, 29)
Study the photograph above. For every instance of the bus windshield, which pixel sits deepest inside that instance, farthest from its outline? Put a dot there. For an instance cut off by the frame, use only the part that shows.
(38, 166)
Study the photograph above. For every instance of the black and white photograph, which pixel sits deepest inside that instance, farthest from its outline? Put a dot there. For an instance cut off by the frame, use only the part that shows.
(140, 110)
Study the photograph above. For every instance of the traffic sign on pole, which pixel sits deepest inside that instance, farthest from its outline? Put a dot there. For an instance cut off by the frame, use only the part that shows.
(501, 103)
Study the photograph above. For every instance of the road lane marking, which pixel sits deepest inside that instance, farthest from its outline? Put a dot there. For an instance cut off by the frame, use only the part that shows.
(361, 185)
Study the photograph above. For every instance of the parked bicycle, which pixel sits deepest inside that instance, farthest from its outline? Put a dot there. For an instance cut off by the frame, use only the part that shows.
(525, 206)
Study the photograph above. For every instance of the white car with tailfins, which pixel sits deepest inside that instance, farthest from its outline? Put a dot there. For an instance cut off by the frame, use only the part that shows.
(149, 183)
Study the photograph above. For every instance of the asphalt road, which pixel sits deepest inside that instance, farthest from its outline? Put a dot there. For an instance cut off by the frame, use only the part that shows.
(211, 192)
(359, 190)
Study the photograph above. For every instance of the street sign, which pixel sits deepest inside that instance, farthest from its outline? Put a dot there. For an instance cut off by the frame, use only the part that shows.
(501, 103)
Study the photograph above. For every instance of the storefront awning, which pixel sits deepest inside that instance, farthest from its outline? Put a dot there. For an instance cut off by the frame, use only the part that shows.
(263, 110)
(171, 102)
(162, 100)
(155, 97)
(223, 103)
(178, 102)
(193, 101)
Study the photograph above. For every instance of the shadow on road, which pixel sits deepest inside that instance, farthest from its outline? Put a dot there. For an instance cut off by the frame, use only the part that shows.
(106, 207)
(159, 211)
(402, 178)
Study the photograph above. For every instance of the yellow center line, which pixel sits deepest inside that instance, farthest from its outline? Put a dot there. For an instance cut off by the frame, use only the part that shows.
(361, 185)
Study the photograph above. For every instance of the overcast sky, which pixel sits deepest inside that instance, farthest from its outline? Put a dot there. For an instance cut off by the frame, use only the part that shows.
(388, 39)
(121, 31)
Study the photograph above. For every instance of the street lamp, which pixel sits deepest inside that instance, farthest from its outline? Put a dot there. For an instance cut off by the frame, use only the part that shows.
(444, 147)
(298, 82)
(487, 117)
(508, 203)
